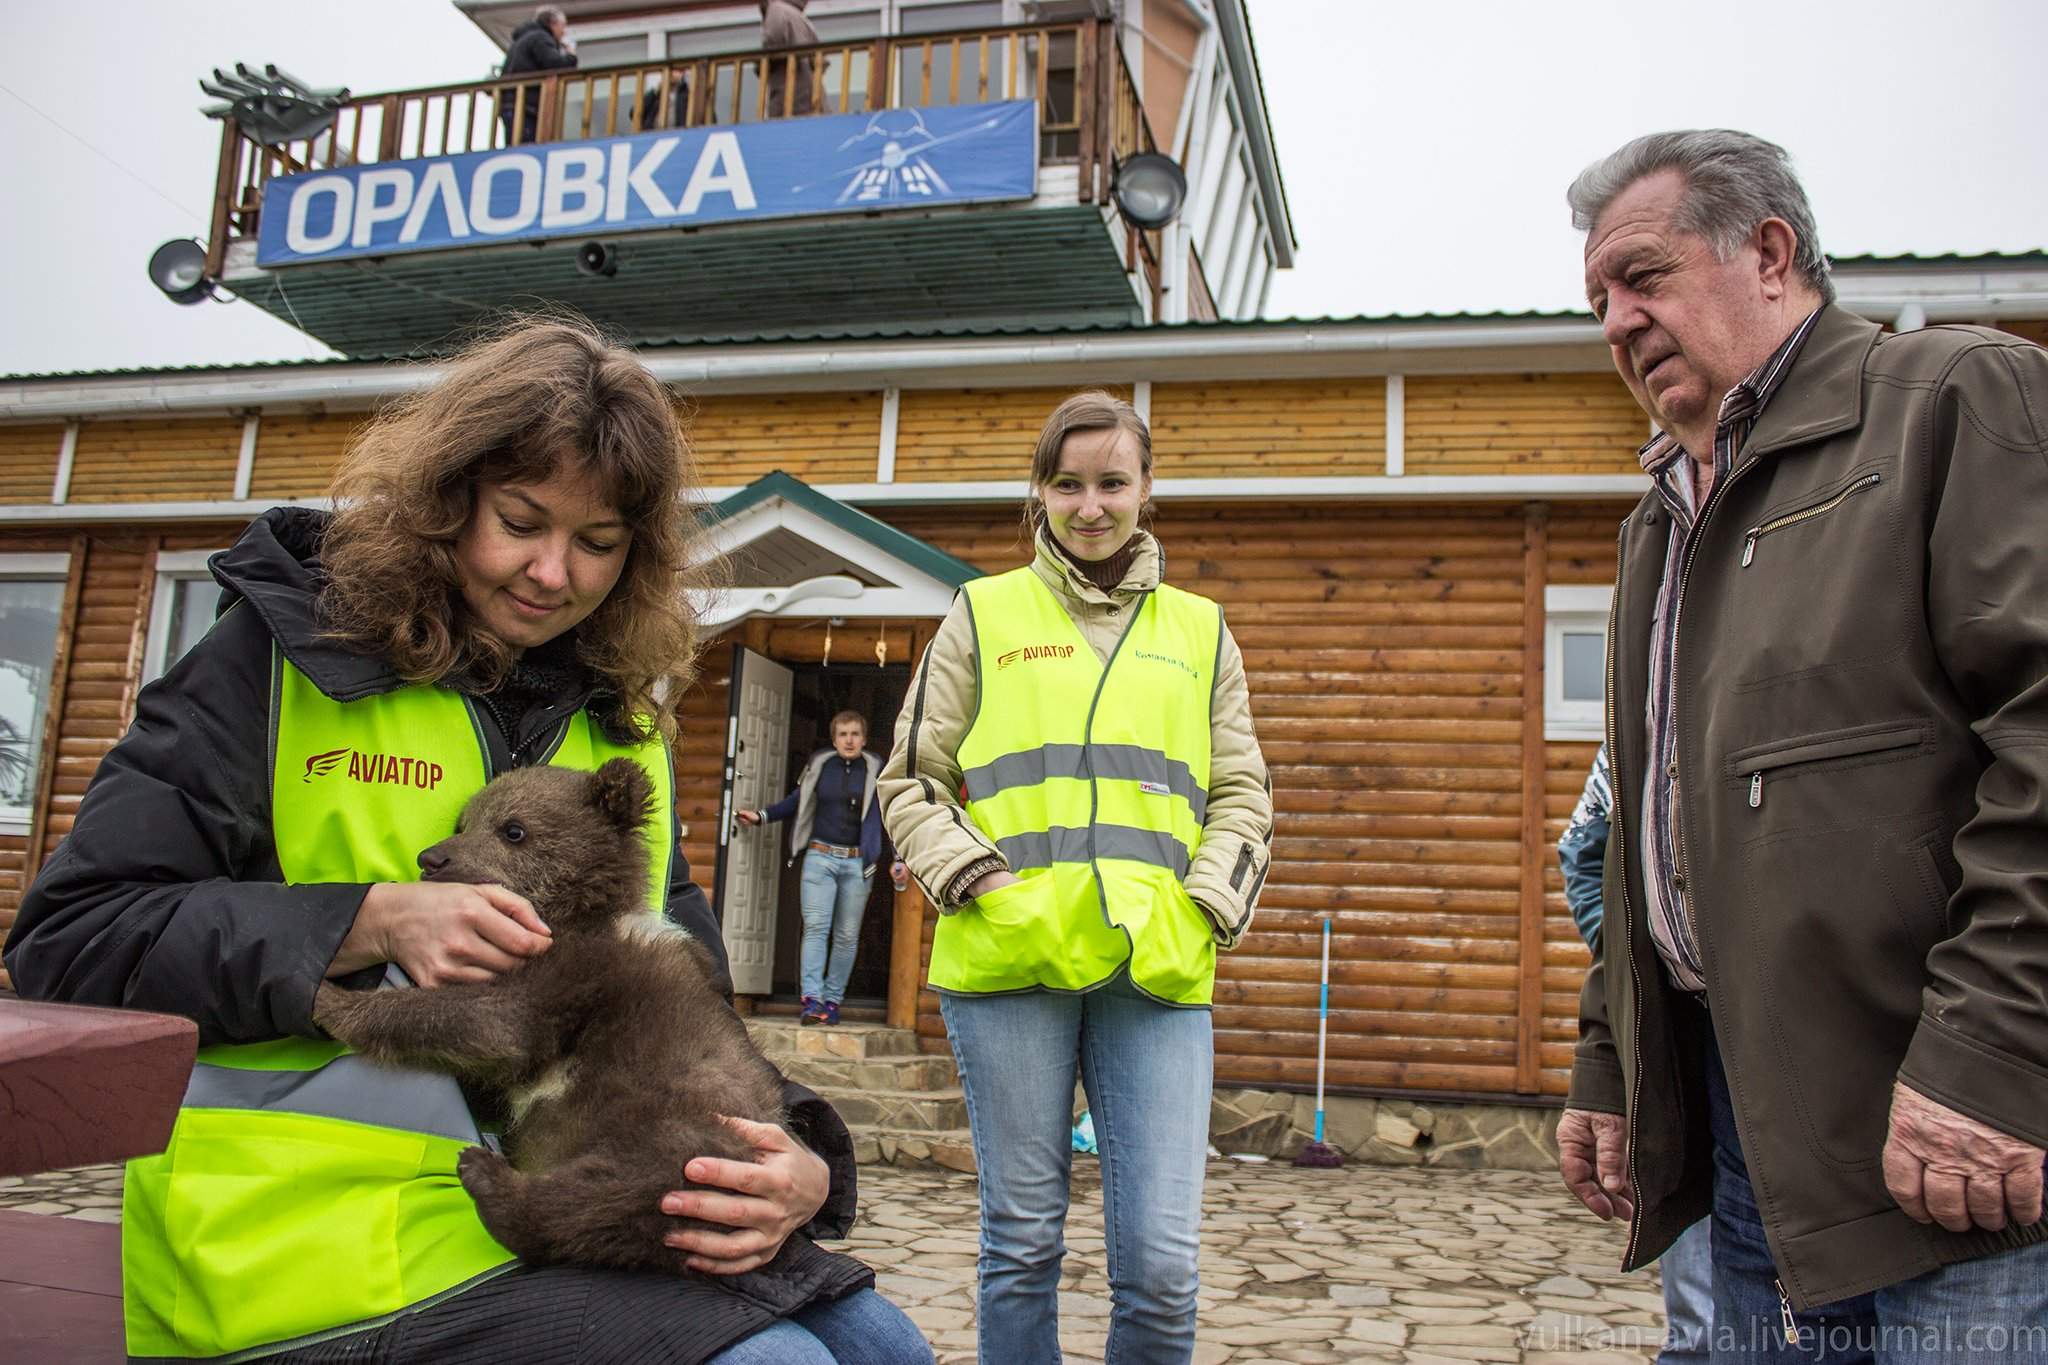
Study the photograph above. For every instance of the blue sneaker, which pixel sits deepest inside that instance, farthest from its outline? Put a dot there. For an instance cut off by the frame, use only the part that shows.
(828, 1013)
(814, 1012)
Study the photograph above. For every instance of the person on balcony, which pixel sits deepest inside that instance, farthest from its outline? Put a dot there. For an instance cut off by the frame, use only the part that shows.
(1077, 785)
(785, 25)
(542, 44)
(837, 831)
(501, 584)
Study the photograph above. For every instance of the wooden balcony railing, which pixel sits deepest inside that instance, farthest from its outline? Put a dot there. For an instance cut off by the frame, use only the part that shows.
(1089, 112)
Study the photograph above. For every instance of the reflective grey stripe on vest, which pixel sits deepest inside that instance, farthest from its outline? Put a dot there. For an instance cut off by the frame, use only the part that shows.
(346, 1088)
(1126, 761)
(1063, 845)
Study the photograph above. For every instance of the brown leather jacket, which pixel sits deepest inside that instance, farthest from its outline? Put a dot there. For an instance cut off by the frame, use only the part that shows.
(1862, 687)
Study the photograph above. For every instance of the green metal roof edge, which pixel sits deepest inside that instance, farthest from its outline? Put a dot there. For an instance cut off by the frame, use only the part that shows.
(1990, 260)
(920, 555)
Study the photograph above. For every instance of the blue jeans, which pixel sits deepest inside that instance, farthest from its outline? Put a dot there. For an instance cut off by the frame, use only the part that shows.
(1146, 1068)
(861, 1329)
(1688, 1268)
(835, 897)
(1994, 1308)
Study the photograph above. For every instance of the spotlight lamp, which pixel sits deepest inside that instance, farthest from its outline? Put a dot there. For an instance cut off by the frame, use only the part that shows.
(1149, 189)
(178, 267)
(597, 258)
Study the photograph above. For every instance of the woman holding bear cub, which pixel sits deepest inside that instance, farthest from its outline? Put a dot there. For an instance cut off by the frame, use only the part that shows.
(502, 584)
(1110, 833)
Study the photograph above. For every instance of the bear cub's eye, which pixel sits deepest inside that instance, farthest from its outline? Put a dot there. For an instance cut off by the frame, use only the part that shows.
(513, 832)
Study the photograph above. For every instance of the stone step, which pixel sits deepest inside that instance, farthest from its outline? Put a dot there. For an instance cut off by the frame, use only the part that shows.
(779, 1038)
(920, 1111)
(953, 1150)
(839, 1074)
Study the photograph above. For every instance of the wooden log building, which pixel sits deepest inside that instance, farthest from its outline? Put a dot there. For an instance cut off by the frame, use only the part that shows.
(1410, 523)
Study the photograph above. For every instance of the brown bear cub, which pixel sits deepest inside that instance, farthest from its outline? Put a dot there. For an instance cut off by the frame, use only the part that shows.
(614, 1049)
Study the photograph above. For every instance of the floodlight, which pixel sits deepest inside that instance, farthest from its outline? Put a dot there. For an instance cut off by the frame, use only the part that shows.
(178, 267)
(1149, 189)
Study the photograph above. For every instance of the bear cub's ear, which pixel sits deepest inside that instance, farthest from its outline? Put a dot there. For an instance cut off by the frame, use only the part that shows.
(621, 790)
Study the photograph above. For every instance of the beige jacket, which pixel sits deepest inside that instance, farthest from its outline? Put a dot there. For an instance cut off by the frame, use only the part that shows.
(921, 781)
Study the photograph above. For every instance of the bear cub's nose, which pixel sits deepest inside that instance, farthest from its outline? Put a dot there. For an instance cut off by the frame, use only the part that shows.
(432, 863)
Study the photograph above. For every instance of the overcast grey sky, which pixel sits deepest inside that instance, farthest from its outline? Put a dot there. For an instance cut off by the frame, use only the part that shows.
(1425, 145)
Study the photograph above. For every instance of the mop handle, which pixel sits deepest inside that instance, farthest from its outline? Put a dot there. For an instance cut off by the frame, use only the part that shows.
(1322, 1028)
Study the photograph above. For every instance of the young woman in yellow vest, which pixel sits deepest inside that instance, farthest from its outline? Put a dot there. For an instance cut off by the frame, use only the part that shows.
(502, 584)
(1077, 786)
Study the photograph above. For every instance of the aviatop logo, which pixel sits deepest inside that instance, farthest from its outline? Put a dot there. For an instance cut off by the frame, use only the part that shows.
(1030, 652)
(1183, 665)
(395, 770)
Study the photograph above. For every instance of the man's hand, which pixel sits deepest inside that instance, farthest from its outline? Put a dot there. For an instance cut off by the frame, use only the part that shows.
(442, 933)
(1592, 1155)
(1947, 1168)
(762, 1201)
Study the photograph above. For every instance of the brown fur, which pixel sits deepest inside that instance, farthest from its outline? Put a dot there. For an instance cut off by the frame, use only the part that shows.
(615, 1048)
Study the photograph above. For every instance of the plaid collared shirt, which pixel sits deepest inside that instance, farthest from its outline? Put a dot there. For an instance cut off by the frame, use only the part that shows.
(1669, 467)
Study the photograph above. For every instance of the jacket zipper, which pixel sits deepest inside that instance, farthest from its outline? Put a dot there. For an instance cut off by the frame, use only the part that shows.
(1678, 615)
(1088, 758)
(1244, 862)
(1756, 533)
(1785, 1314)
(1618, 826)
(1870, 741)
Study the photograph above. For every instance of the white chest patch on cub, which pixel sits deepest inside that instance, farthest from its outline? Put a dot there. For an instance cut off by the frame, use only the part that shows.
(648, 928)
(552, 1084)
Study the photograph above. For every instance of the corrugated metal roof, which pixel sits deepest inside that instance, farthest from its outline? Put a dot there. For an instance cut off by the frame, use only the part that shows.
(1954, 260)
(1968, 259)
(876, 333)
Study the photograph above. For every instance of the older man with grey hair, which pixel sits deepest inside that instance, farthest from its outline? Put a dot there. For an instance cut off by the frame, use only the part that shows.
(1819, 1011)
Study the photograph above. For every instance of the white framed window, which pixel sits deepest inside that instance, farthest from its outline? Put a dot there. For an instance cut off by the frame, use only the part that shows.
(181, 610)
(1575, 662)
(31, 606)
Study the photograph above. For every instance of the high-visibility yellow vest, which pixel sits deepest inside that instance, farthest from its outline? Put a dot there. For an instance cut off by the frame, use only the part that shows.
(306, 1192)
(1092, 782)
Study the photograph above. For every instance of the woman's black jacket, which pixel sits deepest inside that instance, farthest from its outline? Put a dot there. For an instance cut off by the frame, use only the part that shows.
(167, 894)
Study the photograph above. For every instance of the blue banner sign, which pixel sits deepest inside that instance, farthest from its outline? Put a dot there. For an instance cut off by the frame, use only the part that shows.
(784, 168)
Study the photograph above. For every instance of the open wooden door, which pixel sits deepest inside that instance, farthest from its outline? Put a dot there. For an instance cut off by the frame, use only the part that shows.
(749, 860)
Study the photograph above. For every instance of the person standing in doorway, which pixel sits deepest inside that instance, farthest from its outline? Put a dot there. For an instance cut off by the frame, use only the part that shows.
(837, 831)
(1077, 785)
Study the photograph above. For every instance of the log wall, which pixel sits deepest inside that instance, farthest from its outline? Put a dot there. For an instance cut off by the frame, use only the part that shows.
(1385, 649)
(955, 435)
(296, 453)
(28, 461)
(1269, 428)
(1522, 424)
(103, 627)
(818, 437)
(1386, 653)
(168, 460)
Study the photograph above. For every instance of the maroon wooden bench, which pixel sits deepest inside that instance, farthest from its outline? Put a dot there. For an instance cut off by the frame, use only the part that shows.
(77, 1086)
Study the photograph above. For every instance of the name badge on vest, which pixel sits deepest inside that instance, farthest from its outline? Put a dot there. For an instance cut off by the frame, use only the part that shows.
(1155, 789)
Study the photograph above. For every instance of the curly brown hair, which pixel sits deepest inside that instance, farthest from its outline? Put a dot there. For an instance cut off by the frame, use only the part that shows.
(536, 399)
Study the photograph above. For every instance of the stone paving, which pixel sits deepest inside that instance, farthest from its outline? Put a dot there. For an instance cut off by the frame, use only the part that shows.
(1306, 1267)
